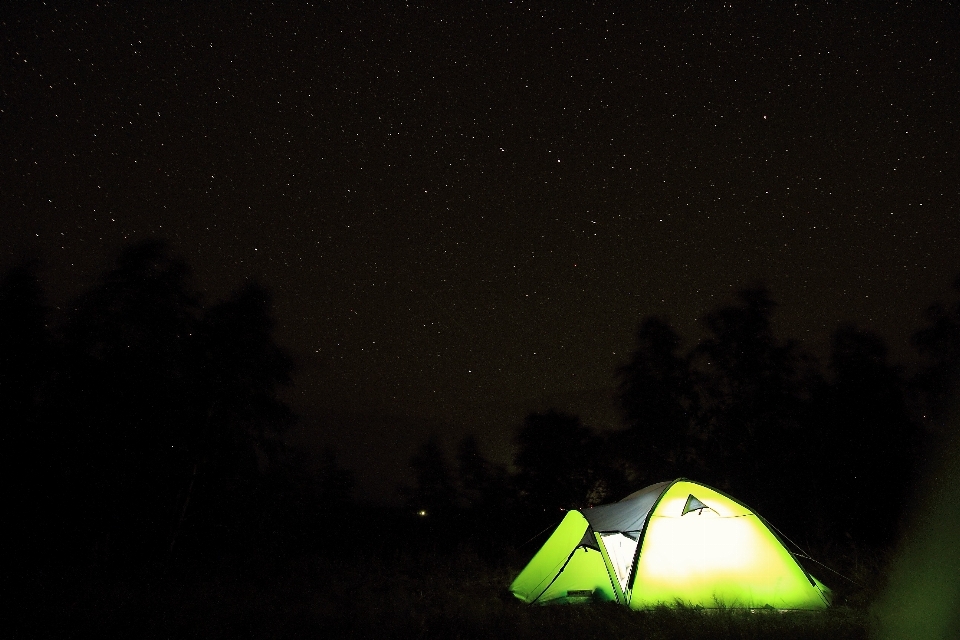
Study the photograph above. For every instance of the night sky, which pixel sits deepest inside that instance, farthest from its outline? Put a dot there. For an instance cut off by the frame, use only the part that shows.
(464, 209)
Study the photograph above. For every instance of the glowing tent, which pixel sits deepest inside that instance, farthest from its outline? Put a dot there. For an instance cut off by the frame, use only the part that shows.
(672, 542)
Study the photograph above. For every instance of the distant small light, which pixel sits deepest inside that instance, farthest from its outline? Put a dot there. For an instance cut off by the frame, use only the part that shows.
(422, 513)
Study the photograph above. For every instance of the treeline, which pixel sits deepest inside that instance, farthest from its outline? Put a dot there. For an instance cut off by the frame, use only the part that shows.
(142, 426)
(830, 451)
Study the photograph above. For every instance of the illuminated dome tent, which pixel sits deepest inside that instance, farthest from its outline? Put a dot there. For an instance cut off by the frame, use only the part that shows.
(672, 542)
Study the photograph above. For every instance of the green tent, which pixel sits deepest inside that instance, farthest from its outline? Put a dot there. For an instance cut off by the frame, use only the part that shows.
(672, 542)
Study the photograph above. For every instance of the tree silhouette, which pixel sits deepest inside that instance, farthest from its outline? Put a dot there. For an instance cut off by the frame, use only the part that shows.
(658, 405)
(25, 350)
(485, 486)
(868, 449)
(751, 413)
(124, 398)
(237, 452)
(939, 344)
(26, 360)
(557, 462)
(434, 493)
(753, 399)
(334, 484)
(166, 426)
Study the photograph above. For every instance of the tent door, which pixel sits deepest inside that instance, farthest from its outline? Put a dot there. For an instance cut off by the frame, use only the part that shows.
(621, 549)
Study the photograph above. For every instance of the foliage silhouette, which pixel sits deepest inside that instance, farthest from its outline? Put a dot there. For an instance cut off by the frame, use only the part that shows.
(434, 493)
(558, 463)
(237, 454)
(658, 404)
(154, 423)
(939, 344)
(153, 429)
(870, 443)
(333, 485)
(26, 354)
(125, 401)
(750, 413)
(25, 348)
(751, 395)
(485, 486)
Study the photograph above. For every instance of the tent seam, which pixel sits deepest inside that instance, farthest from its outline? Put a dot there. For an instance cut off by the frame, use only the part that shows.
(631, 581)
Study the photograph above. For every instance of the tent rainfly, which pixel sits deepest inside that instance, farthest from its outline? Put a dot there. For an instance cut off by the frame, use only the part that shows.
(678, 542)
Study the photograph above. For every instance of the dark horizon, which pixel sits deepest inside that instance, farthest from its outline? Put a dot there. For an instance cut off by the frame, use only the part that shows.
(857, 375)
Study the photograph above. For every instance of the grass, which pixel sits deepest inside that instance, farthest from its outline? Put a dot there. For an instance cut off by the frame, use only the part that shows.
(399, 595)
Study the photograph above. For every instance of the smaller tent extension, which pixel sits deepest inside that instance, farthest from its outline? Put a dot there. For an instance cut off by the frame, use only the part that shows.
(672, 542)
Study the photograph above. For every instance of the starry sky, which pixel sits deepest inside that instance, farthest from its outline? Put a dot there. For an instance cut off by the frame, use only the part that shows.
(463, 209)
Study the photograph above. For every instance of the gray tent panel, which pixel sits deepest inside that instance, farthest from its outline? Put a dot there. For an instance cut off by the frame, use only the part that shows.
(589, 540)
(627, 515)
(693, 504)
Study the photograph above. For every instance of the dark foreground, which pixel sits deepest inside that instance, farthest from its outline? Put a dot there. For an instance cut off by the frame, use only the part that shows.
(426, 595)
